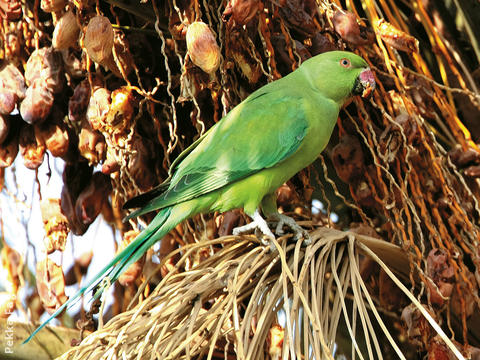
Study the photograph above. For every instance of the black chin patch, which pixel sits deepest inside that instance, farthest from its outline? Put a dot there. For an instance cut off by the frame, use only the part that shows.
(357, 87)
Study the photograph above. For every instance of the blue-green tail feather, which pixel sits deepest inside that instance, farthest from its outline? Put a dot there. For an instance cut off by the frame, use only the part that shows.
(134, 251)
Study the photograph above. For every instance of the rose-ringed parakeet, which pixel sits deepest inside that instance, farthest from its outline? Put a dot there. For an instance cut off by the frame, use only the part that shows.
(241, 161)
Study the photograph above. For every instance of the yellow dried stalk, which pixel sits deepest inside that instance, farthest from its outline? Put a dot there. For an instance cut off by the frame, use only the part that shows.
(235, 296)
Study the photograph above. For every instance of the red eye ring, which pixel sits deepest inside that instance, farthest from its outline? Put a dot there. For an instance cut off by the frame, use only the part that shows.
(345, 63)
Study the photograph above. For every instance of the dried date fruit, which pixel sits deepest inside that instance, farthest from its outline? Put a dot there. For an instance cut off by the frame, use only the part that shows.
(99, 39)
(396, 38)
(120, 110)
(390, 142)
(92, 198)
(442, 274)
(284, 56)
(91, 144)
(73, 62)
(12, 88)
(348, 158)
(346, 25)
(76, 176)
(7, 101)
(45, 64)
(13, 45)
(78, 102)
(287, 196)
(202, 47)
(110, 165)
(50, 285)
(66, 31)
(31, 147)
(390, 295)
(226, 222)
(241, 12)
(55, 136)
(37, 104)
(98, 107)
(52, 5)
(56, 225)
(419, 331)
(299, 14)
(463, 159)
(122, 63)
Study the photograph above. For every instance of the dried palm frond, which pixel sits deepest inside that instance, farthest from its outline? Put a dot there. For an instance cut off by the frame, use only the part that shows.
(228, 303)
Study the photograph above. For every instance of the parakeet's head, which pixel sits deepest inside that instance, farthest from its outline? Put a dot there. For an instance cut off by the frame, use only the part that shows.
(339, 74)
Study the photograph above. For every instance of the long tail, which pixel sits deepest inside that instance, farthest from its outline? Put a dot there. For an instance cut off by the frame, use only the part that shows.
(165, 221)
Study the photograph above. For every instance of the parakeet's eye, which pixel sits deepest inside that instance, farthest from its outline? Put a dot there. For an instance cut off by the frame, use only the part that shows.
(345, 63)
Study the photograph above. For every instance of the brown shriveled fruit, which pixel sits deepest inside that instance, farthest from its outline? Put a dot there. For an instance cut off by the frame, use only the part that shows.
(346, 25)
(12, 88)
(202, 47)
(50, 285)
(241, 12)
(55, 136)
(99, 39)
(441, 274)
(32, 148)
(79, 101)
(37, 103)
(348, 158)
(91, 144)
(98, 107)
(56, 225)
(66, 31)
(52, 5)
(76, 176)
(396, 38)
(120, 110)
(45, 64)
(91, 199)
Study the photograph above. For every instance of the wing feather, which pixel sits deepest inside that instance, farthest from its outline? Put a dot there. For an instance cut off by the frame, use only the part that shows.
(259, 133)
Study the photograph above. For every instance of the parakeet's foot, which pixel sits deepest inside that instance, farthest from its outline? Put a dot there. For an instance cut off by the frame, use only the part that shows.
(299, 232)
(257, 223)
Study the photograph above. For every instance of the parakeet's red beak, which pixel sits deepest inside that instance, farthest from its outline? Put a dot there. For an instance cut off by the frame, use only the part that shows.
(365, 83)
(368, 82)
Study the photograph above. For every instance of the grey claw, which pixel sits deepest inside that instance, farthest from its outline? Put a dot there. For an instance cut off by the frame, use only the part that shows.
(307, 240)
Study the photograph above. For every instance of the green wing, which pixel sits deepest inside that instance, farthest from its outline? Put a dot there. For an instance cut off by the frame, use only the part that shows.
(260, 132)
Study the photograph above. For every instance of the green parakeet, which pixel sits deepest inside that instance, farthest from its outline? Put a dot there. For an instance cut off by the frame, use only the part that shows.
(240, 162)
